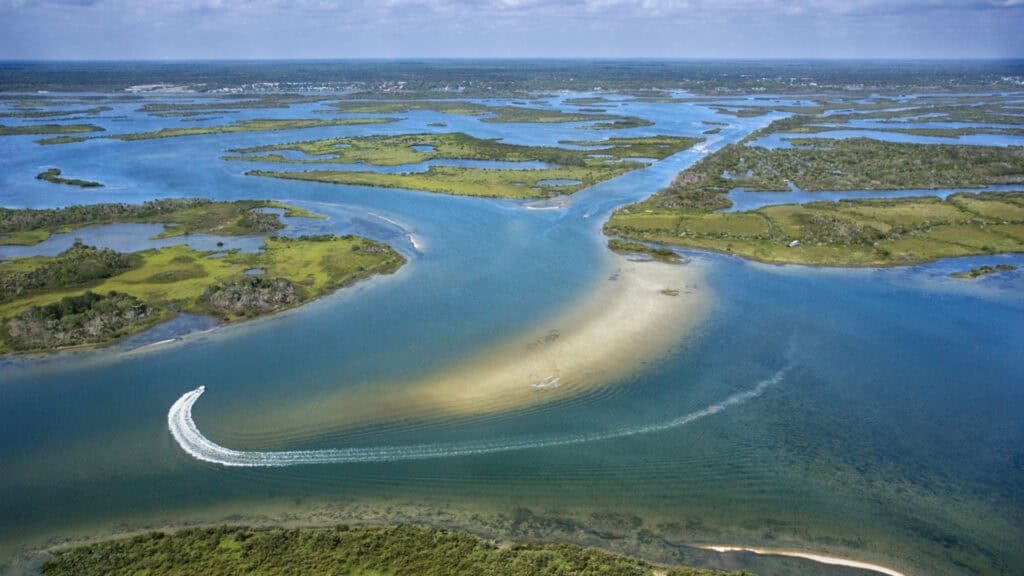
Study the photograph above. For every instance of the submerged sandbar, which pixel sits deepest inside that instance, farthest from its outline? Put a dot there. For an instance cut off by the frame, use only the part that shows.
(638, 313)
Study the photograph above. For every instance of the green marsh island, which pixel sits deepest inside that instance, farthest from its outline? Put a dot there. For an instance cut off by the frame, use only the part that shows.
(569, 170)
(91, 296)
(53, 175)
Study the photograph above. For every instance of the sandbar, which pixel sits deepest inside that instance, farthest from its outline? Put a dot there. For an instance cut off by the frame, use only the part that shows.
(637, 313)
(830, 560)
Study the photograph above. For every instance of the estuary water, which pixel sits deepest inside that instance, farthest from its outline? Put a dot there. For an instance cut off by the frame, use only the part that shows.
(880, 413)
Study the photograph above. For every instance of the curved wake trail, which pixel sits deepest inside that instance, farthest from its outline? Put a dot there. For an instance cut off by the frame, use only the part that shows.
(192, 441)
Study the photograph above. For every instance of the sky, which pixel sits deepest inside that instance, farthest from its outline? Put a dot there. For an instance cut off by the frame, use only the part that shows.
(258, 29)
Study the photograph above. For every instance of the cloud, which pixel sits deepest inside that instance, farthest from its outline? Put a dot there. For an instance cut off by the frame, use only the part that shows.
(470, 28)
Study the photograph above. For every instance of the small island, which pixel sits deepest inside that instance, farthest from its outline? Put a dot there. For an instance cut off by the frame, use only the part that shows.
(54, 175)
(492, 114)
(357, 551)
(660, 254)
(984, 271)
(34, 129)
(256, 125)
(568, 169)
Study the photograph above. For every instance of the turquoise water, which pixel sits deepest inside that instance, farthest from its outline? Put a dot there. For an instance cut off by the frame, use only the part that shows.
(893, 435)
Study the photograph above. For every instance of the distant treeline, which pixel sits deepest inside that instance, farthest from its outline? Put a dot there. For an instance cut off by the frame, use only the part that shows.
(495, 77)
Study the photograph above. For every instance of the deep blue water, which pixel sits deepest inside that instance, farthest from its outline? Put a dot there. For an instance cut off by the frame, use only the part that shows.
(895, 436)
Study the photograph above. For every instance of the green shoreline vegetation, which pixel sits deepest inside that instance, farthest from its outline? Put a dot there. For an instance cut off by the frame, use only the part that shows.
(55, 113)
(180, 216)
(87, 296)
(493, 114)
(61, 140)
(35, 129)
(628, 247)
(258, 125)
(866, 232)
(54, 175)
(572, 170)
(984, 271)
(220, 105)
(355, 551)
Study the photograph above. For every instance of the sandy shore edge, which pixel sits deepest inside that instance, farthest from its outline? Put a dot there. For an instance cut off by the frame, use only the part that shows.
(820, 558)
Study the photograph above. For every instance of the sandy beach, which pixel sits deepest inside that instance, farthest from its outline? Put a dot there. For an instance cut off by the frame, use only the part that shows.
(638, 313)
(820, 558)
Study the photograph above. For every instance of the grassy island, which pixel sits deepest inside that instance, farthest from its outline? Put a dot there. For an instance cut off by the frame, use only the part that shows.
(181, 216)
(570, 170)
(619, 124)
(495, 114)
(53, 175)
(30, 129)
(88, 296)
(259, 125)
(36, 113)
(875, 232)
(358, 551)
(61, 140)
(227, 103)
(984, 271)
(628, 247)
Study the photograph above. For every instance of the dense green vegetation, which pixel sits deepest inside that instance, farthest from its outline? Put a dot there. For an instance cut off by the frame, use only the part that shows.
(80, 320)
(848, 233)
(35, 113)
(498, 114)
(393, 150)
(984, 271)
(572, 170)
(77, 266)
(53, 175)
(865, 164)
(258, 125)
(178, 279)
(627, 247)
(520, 184)
(61, 140)
(228, 103)
(901, 129)
(48, 129)
(366, 551)
(180, 215)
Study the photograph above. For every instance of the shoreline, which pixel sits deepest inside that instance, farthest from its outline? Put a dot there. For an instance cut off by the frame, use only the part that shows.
(819, 558)
(29, 560)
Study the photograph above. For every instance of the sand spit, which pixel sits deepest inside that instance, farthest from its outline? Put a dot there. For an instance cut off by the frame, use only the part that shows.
(830, 560)
(638, 313)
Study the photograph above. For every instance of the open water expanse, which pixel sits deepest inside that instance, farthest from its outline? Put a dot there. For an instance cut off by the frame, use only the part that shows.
(887, 424)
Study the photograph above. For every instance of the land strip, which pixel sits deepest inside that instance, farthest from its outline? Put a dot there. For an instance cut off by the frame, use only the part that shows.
(181, 216)
(54, 175)
(572, 169)
(357, 551)
(259, 125)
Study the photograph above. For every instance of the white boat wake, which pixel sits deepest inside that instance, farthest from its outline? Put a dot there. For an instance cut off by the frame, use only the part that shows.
(192, 441)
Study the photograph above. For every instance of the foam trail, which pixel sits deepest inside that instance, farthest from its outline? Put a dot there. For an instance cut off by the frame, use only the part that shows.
(192, 441)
